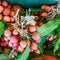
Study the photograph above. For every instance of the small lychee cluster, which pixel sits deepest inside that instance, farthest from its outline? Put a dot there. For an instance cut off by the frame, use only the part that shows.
(12, 40)
(34, 48)
(7, 13)
(35, 36)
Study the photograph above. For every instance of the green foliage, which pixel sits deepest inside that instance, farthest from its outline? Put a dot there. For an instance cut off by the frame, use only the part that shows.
(1, 28)
(40, 20)
(42, 40)
(57, 41)
(34, 55)
(48, 27)
(41, 48)
(48, 30)
(51, 34)
(48, 52)
(58, 30)
(36, 10)
(4, 57)
(56, 45)
(32, 11)
(6, 25)
(58, 58)
(24, 55)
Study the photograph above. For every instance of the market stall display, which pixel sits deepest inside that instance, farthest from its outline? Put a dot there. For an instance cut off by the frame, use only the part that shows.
(28, 34)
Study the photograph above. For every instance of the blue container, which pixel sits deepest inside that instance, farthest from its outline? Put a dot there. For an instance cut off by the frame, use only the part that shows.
(32, 3)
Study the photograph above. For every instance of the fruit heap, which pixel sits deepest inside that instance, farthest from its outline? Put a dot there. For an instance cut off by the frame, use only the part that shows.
(25, 32)
(6, 12)
(11, 37)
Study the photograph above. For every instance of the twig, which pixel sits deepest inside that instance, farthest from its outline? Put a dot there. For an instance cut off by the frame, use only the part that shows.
(52, 14)
(11, 54)
(17, 13)
(17, 18)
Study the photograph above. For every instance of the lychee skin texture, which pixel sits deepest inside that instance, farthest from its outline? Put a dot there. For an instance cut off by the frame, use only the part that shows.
(20, 49)
(15, 32)
(14, 39)
(44, 14)
(1, 9)
(12, 13)
(16, 7)
(9, 6)
(0, 2)
(10, 45)
(4, 3)
(37, 51)
(2, 39)
(6, 39)
(32, 28)
(34, 46)
(36, 37)
(6, 11)
(1, 16)
(31, 50)
(23, 44)
(37, 41)
(12, 20)
(7, 32)
(13, 45)
(6, 19)
(48, 8)
(43, 7)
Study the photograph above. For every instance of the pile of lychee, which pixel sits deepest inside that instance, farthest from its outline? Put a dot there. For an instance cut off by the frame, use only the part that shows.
(12, 40)
(11, 37)
(7, 11)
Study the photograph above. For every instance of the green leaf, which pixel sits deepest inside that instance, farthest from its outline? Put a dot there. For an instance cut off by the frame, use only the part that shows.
(36, 10)
(51, 34)
(58, 58)
(3, 57)
(24, 55)
(6, 25)
(34, 55)
(40, 20)
(1, 28)
(58, 30)
(48, 27)
(42, 40)
(33, 10)
(40, 47)
(48, 52)
(56, 45)
(57, 41)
